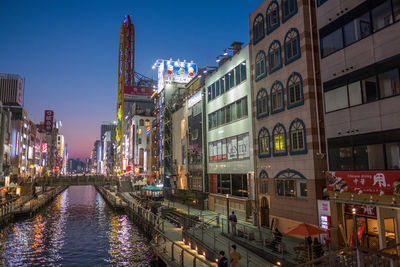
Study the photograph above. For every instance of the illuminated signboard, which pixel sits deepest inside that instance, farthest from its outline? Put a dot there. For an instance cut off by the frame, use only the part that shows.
(48, 120)
(324, 222)
(138, 92)
(175, 71)
(44, 147)
(194, 99)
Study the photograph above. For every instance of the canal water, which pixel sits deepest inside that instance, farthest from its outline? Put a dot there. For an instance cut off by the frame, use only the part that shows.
(77, 229)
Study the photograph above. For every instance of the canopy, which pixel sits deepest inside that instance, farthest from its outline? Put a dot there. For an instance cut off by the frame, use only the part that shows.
(304, 230)
(151, 188)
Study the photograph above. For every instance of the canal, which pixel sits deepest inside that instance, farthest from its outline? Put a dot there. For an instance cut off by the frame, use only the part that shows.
(77, 229)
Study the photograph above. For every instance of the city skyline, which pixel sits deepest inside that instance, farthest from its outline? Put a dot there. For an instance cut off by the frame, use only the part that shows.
(68, 55)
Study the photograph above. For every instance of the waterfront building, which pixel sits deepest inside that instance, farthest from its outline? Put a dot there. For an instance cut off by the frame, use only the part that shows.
(289, 145)
(360, 60)
(230, 163)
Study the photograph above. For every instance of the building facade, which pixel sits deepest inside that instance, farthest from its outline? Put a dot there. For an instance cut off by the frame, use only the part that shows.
(360, 60)
(286, 95)
(229, 133)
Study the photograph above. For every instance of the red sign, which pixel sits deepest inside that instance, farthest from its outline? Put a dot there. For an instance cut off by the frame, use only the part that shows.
(138, 91)
(370, 182)
(44, 147)
(48, 120)
(363, 210)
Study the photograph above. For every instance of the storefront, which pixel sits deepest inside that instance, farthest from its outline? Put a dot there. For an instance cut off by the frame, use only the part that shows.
(366, 203)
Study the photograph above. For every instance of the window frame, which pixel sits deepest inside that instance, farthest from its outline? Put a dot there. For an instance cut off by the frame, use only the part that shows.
(261, 75)
(288, 94)
(274, 85)
(271, 50)
(294, 176)
(285, 46)
(255, 24)
(266, 113)
(264, 133)
(263, 178)
(271, 28)
(295, 126)
(275, 133)
(286, 17)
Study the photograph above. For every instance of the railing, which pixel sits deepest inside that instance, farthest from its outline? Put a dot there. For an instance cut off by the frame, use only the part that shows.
(84, 180)
(210, 237)
(350, 257)
(175, 251)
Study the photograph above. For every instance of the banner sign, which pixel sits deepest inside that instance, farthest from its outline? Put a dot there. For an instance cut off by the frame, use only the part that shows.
(363, 210)
(370, 182)
(175, 71)
(48, 120)
(44, 147)
(140, 91)
(236, 147)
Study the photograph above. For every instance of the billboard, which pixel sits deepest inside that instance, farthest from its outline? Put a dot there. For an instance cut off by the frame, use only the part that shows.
(48, 120)
(175, 71)
(194, 99)
(138, 92)
(369, 182)
(44, 147)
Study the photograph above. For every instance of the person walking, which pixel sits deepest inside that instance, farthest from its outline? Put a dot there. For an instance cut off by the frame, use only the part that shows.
(233, 220)
(235, 257)
(222, 261)
(317, 248)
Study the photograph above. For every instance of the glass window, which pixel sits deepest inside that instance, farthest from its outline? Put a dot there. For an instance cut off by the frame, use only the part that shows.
(260, 65)
(227, 83)
(396, 9)
(331, 43)
(389, 83)
(289, 7)
(279, 143)
(239, 185)
(302, 189)
(393, 156)
(243, 74)
(276, 97)
(217, 88)
(233, 111)
(320, 2)
(237, 74)
(297, 140)
(369, 89)
(223, 116)
(222, 85)
(341, 159)
(272, 17)
(382, 15)
(292, 45)
(280, 185)
(209, 93)
(336, 99)
(231, 79)
(258, 28)
(239, 112)
(274, 56)
(262, 103)
(355, 97)
(357, 29)
(263, 142)
(225, 186)
(213, 91)
(289, 188)
(228, 114)
(294, 89)
(368, 157)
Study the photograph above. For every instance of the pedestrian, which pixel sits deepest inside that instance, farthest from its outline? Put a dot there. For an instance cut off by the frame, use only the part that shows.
(233, 220)
(317, 248)
(222, 261)
(308, 245)
(235, 257)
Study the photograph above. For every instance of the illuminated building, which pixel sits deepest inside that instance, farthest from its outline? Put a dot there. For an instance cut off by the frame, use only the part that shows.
(230, 163)
(360, 64)
(172, 77)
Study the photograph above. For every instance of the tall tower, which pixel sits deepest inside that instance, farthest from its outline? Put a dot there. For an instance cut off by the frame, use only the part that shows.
(125, 78)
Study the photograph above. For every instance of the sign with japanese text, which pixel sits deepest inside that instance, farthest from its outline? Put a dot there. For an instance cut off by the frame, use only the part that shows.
(44, 147)
(363, 210)
(48, 120)
(138, 92)
(369, 182)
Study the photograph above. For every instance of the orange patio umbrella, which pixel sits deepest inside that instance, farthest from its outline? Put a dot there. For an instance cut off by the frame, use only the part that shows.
(304, 230)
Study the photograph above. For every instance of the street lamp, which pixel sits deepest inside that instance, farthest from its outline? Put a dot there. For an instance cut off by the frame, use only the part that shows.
(354, 212)
(227, 211)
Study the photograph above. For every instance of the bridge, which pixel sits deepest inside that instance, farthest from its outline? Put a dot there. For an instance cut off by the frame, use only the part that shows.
(77, 180)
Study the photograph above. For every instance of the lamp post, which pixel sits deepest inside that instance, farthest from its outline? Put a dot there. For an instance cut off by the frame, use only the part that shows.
(354, 212)
(227, 211)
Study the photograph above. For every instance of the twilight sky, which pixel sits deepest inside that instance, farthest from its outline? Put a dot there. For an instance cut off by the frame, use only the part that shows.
(68, 51)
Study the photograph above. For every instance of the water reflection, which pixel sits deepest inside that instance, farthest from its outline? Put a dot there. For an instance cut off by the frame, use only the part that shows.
(77, 229)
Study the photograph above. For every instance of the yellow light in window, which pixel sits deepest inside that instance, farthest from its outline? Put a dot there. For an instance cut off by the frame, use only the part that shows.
(140, 131)
(279, 144)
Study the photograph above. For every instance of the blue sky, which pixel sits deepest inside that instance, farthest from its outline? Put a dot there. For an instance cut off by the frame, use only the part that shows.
(68, 51)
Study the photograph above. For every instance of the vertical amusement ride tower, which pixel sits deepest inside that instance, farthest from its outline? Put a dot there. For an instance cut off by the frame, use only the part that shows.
(125, 78)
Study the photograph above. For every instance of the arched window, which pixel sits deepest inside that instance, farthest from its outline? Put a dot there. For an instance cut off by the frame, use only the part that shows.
(274, 56)
(279, 140)
(276, 95)
(263, 182)
(294, 90)
(262, 103)
(291, 183)
(260, 68)
(258, 28)
(141, 122)
(292, 46)
(147, 123)
(289, 8)
(263, 143)
(297, 132)
(272, 17)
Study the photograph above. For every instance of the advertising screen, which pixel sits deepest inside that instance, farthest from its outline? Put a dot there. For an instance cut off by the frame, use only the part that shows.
(175, 71)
